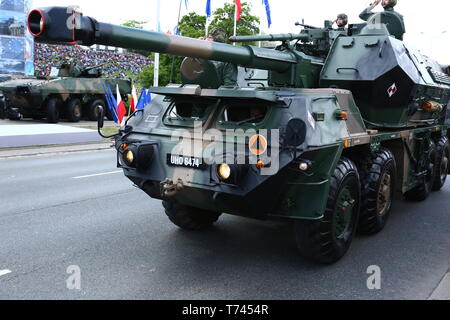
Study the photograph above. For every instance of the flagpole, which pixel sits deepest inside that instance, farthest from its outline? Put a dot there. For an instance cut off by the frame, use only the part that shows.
(173, 57)
(260, 20)
(235, 21)
(156, 71)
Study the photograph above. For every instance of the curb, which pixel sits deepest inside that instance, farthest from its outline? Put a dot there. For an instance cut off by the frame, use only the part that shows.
(442, 292)
(49, 150)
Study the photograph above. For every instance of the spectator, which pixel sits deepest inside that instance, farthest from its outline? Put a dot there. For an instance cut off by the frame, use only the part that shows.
(117, 65)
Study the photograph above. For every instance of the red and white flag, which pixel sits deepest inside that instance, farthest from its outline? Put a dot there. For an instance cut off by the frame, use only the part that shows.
(238, 9)
(134, 99)
(121, 110)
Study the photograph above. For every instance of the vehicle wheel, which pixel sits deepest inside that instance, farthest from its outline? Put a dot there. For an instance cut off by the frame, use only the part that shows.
(327, 240)
(108, 114)
(93, 107)
(378, 174)
(74, 109)
(423, 190)
(52, 109)
(442, 163)
(189, 218)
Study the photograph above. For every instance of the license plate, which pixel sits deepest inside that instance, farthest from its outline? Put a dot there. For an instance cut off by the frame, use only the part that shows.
(183, 161)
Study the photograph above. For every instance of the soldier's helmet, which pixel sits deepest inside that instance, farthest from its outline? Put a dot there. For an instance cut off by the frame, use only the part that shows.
(218, 34)
(344, 17)
(390, 4)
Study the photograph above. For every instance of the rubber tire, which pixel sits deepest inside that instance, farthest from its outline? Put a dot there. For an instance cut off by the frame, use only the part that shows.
(108, 114)
(71, 111)
(422, 191)
(371, 172)
(53, 107)
(442, 147)
(189, 218)
(92, 112)
(315, 239)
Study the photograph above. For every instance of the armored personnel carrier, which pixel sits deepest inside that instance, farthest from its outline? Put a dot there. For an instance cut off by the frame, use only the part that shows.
(69, 92)
(348, 118)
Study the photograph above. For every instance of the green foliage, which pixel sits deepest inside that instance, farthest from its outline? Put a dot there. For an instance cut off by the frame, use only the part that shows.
(193, 25)
(134, 24)
(145, 78)
(224, 18)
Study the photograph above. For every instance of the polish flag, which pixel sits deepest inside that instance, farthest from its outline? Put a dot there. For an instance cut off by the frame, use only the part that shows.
(121, 111)
(238, 9)
(134, 99)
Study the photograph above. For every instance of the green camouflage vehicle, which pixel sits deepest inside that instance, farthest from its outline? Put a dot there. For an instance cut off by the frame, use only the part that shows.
(70, 92)
(349, 118)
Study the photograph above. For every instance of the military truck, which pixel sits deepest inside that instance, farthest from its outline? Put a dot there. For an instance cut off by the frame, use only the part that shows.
(349, 117)
(70, 92)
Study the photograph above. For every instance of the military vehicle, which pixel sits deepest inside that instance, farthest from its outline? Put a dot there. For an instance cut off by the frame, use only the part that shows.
(349, 118)
(70, 92)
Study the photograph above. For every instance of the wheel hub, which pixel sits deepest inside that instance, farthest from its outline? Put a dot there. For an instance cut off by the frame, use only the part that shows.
(77, 111)
(384, 194)
(444, 167)
(343, 213)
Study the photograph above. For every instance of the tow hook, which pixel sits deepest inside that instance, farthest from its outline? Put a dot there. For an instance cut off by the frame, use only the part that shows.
(170, 189)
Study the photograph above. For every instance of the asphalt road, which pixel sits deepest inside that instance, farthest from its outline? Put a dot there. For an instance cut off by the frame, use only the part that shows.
(54, 214)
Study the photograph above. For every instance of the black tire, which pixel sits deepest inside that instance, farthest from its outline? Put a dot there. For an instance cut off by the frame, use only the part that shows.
(74, 110)
(441, 167)
(423, 190)
(378, 173)
(320, 240)
(92, 109)
(189, 218)
(108, 114)
(52, 109)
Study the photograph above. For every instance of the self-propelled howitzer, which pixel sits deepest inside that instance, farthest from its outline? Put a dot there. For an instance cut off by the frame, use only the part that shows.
(349, 117)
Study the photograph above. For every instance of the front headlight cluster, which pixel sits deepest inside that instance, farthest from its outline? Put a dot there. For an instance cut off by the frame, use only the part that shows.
(137, 156)
(224, 171)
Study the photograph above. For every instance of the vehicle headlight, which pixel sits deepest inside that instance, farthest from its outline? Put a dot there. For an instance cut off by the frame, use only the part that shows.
(128, 157)
(224, 171)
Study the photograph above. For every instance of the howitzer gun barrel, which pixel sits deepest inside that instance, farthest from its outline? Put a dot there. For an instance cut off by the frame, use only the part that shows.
(272, 37)
(65, 25)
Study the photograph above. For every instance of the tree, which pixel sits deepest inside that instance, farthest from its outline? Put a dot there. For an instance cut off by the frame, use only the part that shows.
(134, 24)
(224, 18)
(193, 25)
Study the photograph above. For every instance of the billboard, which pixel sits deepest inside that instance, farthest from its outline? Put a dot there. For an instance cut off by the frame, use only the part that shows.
(16, 44)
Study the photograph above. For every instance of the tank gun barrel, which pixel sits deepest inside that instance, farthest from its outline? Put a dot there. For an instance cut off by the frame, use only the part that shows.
(67, 26)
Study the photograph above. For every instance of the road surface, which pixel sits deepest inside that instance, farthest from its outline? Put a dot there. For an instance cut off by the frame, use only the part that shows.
(78, 210)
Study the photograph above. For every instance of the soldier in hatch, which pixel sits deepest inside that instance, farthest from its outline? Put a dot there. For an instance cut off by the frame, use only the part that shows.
(341, 21)
(390, 17)
(227, 71)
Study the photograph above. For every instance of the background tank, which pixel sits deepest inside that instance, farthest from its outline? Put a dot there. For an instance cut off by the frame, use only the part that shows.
(70, 92)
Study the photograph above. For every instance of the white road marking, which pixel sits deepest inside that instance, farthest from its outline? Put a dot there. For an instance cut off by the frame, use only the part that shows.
(4, 272)
(442, 292)
(97, 174)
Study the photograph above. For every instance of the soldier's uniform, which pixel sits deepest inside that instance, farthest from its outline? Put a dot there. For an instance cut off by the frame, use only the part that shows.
(226, 71)
(393, 20)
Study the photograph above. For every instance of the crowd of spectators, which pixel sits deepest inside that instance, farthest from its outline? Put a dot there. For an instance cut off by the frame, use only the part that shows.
(114, 64)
